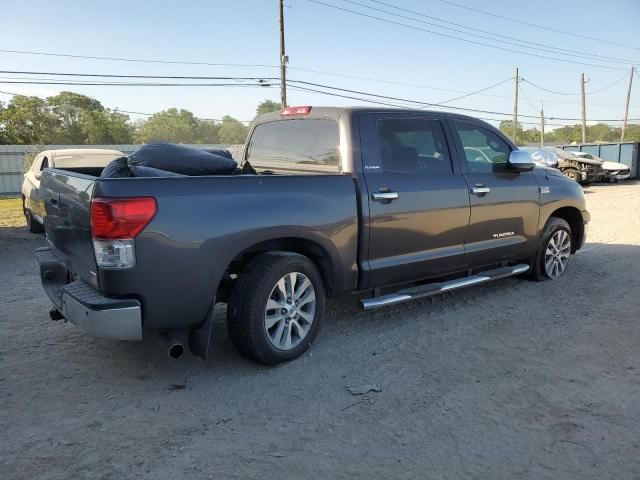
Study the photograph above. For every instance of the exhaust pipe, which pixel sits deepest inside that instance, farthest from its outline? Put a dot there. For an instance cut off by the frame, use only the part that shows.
(173, 344)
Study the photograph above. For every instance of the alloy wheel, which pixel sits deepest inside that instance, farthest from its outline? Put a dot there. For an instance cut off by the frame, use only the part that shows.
(290, 311)
(557, 254)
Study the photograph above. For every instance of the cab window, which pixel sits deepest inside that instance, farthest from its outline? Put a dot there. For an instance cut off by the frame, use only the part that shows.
(413, 146)
(309, 145)
(484, 151)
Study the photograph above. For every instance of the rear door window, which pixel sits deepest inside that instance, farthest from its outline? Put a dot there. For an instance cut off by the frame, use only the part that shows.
(413, 145)
(307, 145)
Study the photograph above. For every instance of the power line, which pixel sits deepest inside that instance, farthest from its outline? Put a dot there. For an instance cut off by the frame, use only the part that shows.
(139, 60)
(477, 91)
(136, 84)
(520, 43)
(263, 85)
(484, 12)
(174, 77)
(608, 86)
(395, 105)
(576, 94)
(300, 69)
(412, 27)
(526, 98)
(431, 104)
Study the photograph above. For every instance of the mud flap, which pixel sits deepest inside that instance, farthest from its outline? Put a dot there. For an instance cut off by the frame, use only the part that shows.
(200, 339)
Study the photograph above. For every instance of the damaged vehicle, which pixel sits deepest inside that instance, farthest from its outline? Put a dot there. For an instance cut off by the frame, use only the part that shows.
(614, 171)
(390, 204)
(578, 168)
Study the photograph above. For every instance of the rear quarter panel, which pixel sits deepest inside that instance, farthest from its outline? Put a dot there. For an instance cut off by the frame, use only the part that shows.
(202, 223)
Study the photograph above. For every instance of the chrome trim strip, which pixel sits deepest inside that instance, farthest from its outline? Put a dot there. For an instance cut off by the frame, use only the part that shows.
(384, 195)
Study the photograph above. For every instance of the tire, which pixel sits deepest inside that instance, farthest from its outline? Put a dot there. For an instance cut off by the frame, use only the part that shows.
(573, 175)
(559, 231)
(261, 333)
(32, 223)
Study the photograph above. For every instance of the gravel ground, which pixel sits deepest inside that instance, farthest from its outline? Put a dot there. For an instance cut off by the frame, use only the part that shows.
(509, 381)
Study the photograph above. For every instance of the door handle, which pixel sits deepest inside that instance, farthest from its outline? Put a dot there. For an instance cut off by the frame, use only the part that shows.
(480, 190)
(382, 196)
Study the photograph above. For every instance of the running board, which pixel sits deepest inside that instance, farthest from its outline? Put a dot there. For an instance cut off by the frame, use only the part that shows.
(430, 289)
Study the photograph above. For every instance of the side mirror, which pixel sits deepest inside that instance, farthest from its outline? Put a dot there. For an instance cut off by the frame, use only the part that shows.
(521, 161)
(37, 175)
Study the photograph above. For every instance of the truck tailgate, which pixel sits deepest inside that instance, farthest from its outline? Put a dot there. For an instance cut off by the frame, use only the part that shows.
(67, 198)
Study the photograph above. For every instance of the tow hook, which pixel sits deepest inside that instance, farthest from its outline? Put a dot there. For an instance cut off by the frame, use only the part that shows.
(55, 315)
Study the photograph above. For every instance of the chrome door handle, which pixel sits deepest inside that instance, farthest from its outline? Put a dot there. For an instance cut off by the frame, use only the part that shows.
(480, 190)
(380, 196)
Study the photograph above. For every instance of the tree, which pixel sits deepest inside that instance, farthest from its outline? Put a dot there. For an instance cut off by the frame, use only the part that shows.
(232, 131)
(106, 127)
(177, 126)
(70, 108)
(267, 106)
(207, 131)
(172, 125)
(27, 120)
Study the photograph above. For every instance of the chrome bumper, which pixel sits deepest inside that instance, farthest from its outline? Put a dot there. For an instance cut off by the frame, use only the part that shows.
(84, 306)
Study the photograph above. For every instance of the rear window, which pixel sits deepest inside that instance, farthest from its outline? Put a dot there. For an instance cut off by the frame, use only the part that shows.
(309, 145)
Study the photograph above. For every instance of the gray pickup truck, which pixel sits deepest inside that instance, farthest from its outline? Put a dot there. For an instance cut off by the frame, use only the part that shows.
(390, 204)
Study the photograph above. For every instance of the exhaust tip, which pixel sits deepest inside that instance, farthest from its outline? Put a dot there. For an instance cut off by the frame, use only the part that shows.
(176, 350)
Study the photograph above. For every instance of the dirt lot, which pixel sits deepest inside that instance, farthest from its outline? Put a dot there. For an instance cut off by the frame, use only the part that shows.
(513, 380)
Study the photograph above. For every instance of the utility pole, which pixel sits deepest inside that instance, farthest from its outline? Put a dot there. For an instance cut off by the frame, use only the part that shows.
(516, 79)
(542, 126)
(626, 108)
(584, 110)
(283, 57)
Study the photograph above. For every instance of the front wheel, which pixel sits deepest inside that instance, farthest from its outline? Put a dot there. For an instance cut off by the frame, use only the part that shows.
(553, 252)
(276, 307)
(574, 175)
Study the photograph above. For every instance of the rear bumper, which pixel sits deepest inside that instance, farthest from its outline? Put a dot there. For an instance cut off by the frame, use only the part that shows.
(81, 304)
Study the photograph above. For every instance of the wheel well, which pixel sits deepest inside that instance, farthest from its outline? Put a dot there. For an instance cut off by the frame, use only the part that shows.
(312, 250)
(574, 218)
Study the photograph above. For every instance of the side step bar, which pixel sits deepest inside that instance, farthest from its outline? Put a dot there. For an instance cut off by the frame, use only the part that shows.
(430, 289)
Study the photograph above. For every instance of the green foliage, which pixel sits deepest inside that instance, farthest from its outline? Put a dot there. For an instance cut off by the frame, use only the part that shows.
(177, 126)
(107, 127)
(267, 106)
(69, 109)
(31, 154)
(72, 118)
(232, 131)
(27, 120)
(567, 134)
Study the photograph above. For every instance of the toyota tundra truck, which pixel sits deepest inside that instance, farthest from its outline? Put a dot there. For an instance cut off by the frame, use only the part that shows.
(389, 204)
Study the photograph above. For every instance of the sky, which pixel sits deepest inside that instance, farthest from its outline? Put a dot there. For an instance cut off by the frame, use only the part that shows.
(391, 60)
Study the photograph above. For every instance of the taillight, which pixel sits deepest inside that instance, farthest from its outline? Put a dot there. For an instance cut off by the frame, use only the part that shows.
(295, 111)
(115, 222)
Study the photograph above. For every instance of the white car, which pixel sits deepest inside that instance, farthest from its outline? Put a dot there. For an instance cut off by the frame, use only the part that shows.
(615, 171)
(82, 160)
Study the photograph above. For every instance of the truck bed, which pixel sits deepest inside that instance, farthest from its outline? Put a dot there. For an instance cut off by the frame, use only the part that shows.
(201, 225)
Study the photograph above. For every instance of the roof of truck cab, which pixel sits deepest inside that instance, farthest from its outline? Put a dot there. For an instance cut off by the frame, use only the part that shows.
(335, 112)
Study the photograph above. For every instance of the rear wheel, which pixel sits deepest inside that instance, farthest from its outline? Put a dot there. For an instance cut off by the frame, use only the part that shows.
(276, 307)
(554, 250)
